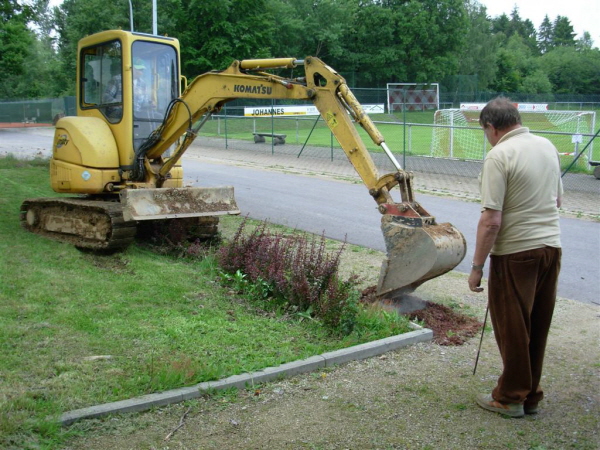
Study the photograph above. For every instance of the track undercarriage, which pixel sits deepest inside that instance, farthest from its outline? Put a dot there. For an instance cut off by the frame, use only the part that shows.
(98, 225)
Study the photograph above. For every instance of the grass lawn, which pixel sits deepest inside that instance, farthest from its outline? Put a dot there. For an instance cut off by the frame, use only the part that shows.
(78, 329)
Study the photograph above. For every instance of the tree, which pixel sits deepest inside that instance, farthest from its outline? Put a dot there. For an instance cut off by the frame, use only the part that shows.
(16, 41)
(585, 42)
(213, 33)
(406, 41)
(479, 57)
(501, 24)
(545, 35)
(530, 36)
(75, 19)
(518, 26)
(571, 71)
(563, 34)
(314, 27)
(519, 69)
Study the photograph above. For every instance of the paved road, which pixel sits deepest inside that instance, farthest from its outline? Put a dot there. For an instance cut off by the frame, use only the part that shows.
(345, 210)
(26, 142)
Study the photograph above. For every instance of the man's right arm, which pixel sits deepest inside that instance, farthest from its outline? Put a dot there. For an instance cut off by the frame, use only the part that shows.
(487, 232)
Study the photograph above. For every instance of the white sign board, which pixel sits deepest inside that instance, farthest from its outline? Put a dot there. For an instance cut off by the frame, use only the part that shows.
(305, 110)
(520, 106)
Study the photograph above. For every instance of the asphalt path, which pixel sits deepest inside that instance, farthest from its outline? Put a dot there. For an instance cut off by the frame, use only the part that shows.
(344, 211)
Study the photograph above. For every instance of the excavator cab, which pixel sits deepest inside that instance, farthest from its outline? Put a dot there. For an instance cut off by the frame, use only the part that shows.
(130, 83)
(152, 83)
(126, 85)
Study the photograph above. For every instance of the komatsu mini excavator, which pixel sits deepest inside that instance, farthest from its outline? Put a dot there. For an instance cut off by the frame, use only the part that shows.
(121, 153)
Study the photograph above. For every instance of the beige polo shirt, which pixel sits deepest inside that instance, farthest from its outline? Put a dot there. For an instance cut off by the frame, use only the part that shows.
(521, 178)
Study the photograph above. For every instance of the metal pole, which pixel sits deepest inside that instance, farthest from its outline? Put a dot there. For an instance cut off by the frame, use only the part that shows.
(481, 340)
(226, 135)
(154, 19)
(130, 16)
(403, 132)
(308, 137)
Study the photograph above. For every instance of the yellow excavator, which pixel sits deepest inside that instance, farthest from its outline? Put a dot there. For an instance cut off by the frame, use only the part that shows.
(121, 153)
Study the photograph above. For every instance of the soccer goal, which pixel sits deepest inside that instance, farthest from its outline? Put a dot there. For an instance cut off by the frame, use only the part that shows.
(413, 96)
(457, 134)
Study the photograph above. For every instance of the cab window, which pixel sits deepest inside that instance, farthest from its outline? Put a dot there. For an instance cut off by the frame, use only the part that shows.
(102, 79)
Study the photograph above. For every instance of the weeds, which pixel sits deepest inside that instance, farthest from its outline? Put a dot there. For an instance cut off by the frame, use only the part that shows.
(292, 272)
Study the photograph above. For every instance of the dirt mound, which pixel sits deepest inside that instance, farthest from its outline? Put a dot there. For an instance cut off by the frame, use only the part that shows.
(449, 327)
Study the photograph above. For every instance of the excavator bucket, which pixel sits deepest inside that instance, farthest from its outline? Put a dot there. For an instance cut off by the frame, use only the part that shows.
(416, 253)
(176, 203)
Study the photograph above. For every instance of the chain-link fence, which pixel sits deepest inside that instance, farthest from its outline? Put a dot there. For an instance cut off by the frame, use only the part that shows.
(446, 159)
(41, 111)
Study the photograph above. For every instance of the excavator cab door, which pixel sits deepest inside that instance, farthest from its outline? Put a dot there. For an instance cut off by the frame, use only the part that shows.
(155, 83)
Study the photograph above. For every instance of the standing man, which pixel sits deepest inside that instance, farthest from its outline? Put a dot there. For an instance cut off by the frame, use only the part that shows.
(521, 191)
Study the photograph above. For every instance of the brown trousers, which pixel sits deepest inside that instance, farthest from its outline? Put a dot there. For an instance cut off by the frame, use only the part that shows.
(522, 294)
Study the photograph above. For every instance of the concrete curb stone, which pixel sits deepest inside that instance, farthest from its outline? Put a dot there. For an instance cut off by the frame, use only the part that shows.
(329, 359)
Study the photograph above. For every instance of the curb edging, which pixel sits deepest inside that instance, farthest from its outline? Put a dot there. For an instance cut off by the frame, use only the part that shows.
(329, 359)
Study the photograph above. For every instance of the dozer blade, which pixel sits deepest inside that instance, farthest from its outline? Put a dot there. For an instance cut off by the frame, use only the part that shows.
(416, 254)
(172, 203)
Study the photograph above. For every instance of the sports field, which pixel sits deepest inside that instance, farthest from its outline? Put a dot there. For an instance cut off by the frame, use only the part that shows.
(460, 139)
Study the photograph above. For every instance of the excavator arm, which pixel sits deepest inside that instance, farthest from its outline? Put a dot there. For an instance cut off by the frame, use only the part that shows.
(246, 79)
(418, 248)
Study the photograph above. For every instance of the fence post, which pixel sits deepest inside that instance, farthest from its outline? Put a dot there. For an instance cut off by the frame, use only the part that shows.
(331, 145)
(226, 135)
(273, 126)
(404, 127)
(451, 135)
(484, 147)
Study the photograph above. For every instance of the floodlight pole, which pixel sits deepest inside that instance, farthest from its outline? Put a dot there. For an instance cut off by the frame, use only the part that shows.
(130, 16)
(154, 20)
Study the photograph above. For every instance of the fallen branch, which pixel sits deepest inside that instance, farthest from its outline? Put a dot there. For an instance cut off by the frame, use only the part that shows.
(181, 423)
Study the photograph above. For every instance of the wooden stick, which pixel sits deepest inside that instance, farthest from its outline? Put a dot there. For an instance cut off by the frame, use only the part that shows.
(181, 423)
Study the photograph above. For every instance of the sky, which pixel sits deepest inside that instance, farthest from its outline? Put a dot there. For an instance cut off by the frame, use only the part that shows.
(584, 15)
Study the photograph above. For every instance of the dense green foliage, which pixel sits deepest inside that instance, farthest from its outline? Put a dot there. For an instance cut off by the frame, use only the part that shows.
(371, 42)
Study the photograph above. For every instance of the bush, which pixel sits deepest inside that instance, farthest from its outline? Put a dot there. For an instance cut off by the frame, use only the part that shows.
(293, 272)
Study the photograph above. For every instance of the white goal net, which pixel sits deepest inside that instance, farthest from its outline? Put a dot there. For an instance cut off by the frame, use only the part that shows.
(457, 134)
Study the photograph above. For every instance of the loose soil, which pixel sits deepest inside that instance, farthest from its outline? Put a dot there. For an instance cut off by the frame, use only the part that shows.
(449, 327)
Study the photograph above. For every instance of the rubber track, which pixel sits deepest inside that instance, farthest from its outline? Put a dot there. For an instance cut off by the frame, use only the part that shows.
(121, 233)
